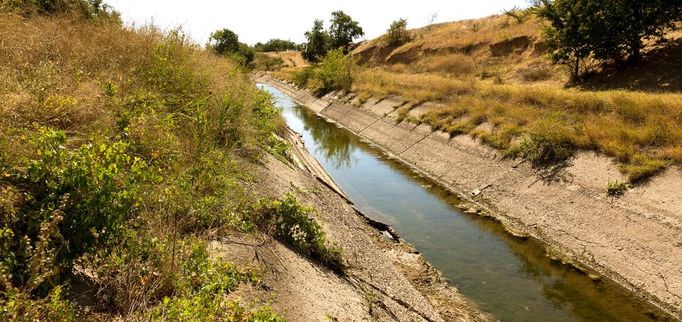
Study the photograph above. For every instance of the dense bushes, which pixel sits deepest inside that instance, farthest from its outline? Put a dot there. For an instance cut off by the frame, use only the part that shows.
(117, 147)
(335, 72)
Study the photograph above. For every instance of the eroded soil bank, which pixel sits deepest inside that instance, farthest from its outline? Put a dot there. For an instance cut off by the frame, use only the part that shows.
(635, 240)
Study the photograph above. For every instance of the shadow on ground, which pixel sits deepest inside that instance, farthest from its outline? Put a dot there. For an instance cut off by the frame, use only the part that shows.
(658, 71)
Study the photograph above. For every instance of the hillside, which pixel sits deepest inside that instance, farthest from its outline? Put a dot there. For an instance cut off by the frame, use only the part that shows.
(495, 47)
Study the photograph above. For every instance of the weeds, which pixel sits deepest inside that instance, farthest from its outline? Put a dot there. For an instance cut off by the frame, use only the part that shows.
(616, 188)
(288, 220)
(117, 148)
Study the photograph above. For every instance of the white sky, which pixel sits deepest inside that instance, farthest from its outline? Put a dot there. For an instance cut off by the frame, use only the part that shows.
(262, 20)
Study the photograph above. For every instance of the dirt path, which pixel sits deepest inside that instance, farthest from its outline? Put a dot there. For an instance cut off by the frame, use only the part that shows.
(635, 240)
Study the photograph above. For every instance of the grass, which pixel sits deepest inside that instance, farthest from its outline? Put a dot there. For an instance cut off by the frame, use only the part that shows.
(120, 151)
(642, 131)
(616, 188)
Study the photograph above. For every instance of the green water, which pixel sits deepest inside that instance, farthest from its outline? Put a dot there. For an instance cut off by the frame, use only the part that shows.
(511, 278)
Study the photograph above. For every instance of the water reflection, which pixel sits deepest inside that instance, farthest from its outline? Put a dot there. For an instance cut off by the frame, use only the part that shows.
(509, 277)
(333, 144)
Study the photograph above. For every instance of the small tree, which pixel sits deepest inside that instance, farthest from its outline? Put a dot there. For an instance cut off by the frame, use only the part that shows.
(397, 33)
(317, 45)
(335, 72)
(520, 15)
(571, 32)
(224, 41)
(344, 30)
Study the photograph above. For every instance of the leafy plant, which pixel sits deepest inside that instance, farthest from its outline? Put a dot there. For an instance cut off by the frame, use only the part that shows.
(616, 188)
(288, 220)
(397, 33)
(335, 72)
(93, 189)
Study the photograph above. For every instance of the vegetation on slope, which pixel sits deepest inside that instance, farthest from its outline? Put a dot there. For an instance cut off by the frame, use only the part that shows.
(492, 79)
(121, 153)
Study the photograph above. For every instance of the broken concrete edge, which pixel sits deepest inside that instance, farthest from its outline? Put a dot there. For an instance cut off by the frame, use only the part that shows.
(514, 226)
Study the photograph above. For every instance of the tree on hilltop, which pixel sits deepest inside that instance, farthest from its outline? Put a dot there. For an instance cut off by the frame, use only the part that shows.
(344, 30)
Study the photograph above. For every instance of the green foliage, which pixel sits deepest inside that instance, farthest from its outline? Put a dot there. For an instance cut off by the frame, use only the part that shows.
(607, 31)
(317, 42)
(547, 143)
(397, 33)
(303, 76)
(572, 26)
(16, 305)
(616, 188)
(288, 220)
(518, 14)
(335, 72)
(343, 31)
(86, 8)
(276, 45)
(226, 43)
(200, 290)
(86, 194)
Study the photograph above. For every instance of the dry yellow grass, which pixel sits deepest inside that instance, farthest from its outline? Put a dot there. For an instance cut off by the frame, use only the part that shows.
(643, 131)
(493, 47)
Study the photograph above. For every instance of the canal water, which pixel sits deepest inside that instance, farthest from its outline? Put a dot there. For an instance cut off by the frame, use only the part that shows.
(511, 278)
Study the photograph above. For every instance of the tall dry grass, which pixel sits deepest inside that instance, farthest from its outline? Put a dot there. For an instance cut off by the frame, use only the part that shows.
(187, 120)
(643, 131)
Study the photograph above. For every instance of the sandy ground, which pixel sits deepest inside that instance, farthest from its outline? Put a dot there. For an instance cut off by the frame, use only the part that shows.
(635, 240)
(386, 280)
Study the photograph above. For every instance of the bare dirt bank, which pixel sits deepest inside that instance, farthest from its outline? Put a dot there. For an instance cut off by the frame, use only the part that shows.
(635, 240)
(387, 280)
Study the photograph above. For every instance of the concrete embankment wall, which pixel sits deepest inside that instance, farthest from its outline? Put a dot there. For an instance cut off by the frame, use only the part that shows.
(635, 240)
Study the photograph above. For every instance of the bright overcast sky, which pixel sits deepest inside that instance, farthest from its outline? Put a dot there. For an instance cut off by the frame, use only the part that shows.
(261, 20)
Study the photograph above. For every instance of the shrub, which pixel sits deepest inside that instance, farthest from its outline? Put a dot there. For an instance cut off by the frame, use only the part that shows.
(616, 188)
(335, 72)
(201, 288)
(89, 192)
(288, 220)
(303, 76)
(547, 143)
(397, 33)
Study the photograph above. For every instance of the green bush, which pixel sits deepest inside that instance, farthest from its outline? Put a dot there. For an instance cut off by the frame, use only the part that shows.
(335, 72)
(86, 194)
(201, 289)
(303, 76)
(616, 188)
(397, 33)
(288, 220)
(547, 143)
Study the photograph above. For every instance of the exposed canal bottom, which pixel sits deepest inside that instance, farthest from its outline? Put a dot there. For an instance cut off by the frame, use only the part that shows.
(512, 278)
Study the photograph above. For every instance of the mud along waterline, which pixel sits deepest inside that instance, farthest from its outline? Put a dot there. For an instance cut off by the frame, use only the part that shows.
(511, 278)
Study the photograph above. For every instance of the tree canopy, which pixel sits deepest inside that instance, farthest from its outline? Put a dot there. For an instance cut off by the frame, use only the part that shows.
(225, 42)
(343, 30)
(317, 45)
(607, 31)
(276, 45)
